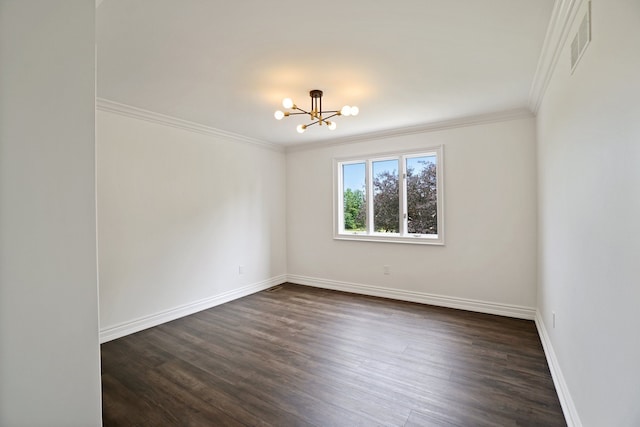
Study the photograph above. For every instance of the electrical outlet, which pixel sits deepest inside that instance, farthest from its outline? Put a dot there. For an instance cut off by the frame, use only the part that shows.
(241, 269)
(386, 269)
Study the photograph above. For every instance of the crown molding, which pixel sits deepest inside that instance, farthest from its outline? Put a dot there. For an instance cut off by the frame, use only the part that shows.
(496, 117)
(562, 16)
(109, 106)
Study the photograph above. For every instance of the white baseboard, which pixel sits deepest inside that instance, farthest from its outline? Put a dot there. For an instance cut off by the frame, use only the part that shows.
(569, 409)
(145, 322)
(508, 310)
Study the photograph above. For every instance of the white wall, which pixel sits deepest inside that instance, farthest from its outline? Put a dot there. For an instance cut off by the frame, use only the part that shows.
(490, 220)
(178, 213)
(589, 169)
(49, 352)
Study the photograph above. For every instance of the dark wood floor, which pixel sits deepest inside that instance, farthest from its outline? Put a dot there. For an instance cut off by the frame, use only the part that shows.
(300, 356)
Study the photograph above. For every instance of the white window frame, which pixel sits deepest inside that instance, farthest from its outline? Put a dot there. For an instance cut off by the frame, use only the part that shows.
(403, 236)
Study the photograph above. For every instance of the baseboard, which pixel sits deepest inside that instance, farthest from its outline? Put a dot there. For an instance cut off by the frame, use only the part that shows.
(569, 409)
(508, 310)
(145, 322)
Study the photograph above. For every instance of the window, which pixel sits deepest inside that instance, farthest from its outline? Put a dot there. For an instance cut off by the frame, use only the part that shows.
(390, 197)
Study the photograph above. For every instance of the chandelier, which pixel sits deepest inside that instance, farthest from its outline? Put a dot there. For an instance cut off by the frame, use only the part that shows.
(316, 114)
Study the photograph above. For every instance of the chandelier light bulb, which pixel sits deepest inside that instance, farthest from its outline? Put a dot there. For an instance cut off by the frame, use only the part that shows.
(301, 128)
(278, 115)
(354, 110)
(287, 103)
(346, 111)
(332, 125)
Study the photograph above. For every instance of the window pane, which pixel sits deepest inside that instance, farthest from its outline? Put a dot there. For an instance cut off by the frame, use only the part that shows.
(353, 192)
(386, 209)
(422, 195)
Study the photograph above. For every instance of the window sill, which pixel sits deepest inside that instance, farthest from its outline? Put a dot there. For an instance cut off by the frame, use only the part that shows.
(438, 241)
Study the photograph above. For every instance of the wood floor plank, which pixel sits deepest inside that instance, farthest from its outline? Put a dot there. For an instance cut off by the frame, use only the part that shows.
(303, 356)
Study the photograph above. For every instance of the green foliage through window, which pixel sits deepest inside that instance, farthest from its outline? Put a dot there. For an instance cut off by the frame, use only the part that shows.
(422, 199)
(355, 210)
(386, 197)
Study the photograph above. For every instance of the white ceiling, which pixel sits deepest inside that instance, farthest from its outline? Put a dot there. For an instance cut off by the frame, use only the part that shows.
(228, 64)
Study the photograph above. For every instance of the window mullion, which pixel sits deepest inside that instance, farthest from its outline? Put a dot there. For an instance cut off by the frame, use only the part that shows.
(340, 201)
(402, 180)
(369, 189)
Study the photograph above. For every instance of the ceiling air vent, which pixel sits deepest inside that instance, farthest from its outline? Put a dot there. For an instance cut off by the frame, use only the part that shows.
(582, 38)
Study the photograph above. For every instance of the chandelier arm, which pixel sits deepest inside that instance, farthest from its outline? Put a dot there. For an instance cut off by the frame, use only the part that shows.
(328, 117)
(302, 111)
(313, 123)
(324, 119)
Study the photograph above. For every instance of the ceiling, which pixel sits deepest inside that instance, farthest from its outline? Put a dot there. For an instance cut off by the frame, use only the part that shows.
(228, 64)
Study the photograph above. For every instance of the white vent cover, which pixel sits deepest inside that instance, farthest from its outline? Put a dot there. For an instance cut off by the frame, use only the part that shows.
(582, 38)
